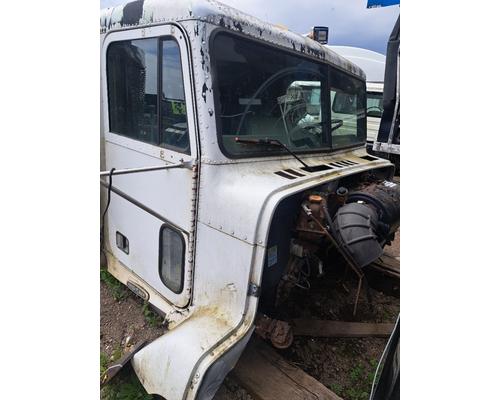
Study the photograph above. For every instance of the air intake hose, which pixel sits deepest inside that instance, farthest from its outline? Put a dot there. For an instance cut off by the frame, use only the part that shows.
(367, 221)
(354, 229)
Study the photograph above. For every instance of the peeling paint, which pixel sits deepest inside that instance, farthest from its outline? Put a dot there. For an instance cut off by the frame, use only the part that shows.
(132, 12)
(213, 12)
(204, 92)
(238, 26)
(202, 53)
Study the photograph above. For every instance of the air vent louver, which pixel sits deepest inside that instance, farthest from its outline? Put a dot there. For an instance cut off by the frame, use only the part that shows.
(293, 174)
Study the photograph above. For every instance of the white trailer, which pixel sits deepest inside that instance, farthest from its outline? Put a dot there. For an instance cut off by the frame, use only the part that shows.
(219, 186)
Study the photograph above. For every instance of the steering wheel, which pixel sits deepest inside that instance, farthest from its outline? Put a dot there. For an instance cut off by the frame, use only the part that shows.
(336, 124)
(303, 133)
(316, 131)
(277, 75)
(375, 107)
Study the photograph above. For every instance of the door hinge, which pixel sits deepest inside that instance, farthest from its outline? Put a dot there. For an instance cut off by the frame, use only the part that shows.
(253, 290)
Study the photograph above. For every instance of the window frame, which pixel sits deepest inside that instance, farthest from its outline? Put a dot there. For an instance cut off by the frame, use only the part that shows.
(160, 256)
(161, 40)
(159, 85)
(263, 154)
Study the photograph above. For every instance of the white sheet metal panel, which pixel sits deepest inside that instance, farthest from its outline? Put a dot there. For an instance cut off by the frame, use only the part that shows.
(233, 196)
(223, 268)
(143, 232)
(166, 365)
(372, 126)
(222, 272)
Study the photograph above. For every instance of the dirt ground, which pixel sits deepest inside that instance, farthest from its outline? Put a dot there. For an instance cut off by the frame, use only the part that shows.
(123, 321)
(346, 366)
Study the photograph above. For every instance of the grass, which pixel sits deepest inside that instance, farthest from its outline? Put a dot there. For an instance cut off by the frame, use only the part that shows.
(336, 388)
(104, 363)
(152, 318)
(360, 382)
(118, 291)
(124, 386)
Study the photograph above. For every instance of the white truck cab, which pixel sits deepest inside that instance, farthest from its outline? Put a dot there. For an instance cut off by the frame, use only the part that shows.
(219, 183)
(373, 65)
(374, 110)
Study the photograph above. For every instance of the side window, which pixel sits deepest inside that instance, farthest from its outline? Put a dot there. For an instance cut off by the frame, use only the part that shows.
(171, 259)
(132, 89)
(174, 129)
(348, 101)
(136, 74)
(374, 104)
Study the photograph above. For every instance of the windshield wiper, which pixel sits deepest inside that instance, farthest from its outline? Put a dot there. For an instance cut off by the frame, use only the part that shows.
(271, 142)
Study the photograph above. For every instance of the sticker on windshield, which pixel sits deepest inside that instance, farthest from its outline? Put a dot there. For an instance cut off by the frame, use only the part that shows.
(272, 256)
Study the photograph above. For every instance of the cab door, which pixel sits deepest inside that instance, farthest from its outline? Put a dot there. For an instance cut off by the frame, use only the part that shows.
(149, 121)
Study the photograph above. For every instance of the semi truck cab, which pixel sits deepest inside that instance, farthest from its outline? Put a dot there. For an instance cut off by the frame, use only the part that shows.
(223, 176)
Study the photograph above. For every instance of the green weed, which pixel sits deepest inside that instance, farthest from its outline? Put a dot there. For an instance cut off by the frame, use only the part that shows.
(356, 373)
(356, 394)
(116, 354)
(360, 382)
(373, 369)
(125, 387)
(152, 318)
(118, 291)
(104, 363)
(336, 388)
(105, 360)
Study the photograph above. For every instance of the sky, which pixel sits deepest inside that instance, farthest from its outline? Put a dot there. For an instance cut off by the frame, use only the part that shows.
(350, 22)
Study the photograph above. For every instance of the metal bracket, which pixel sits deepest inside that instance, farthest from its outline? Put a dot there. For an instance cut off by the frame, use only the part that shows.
(253, 290)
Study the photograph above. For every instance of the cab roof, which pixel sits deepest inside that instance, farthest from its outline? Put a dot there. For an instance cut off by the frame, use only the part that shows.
(156, 12)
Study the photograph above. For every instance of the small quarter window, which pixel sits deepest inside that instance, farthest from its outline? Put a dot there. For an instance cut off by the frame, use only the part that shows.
(171, 259)
(174, 128)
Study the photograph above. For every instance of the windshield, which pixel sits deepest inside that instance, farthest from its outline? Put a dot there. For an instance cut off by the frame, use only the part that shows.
(374, 104)
(263, 92)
